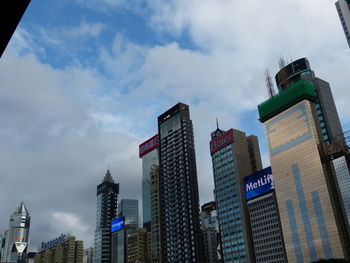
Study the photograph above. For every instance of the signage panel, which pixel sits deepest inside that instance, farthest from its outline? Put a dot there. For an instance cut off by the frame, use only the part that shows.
(62, 238)
(221, 141)
(148, 146)
(118, 224)
(259, 183)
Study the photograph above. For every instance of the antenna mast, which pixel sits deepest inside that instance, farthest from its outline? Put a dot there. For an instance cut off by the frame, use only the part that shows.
(269, 84)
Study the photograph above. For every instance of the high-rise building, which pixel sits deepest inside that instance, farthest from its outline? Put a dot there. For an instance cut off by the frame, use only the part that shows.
(343, 8)
(178, 188)
(14, 11)
(16, 237)
(234, 156)
(211, 233)
(312, 220)
(326, 110)
(88, 255)
(264, 217)
(63, 249)
(129, 208)
(148, 151)
(139, 246)
(155, 216)
(107, 200)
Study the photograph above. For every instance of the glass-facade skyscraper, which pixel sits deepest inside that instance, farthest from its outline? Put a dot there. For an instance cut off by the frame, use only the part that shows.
(343, 8)
(129, 208)
(15, 242)
(311, 216)
(107, 199)
(234, 156)
(178, 188)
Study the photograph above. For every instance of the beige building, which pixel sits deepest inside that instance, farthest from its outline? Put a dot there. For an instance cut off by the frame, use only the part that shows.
(139, 247)
(61, 250)
(308, 203)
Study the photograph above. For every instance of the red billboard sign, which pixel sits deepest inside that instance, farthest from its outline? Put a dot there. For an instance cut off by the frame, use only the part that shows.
(148, 146)
(221, 141)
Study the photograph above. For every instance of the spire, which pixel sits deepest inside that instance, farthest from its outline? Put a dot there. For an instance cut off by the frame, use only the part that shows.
(21, 210)
(108, 177)
(217, 123)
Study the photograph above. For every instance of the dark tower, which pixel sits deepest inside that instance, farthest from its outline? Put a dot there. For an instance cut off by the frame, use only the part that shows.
(178, 188)
(107, 200)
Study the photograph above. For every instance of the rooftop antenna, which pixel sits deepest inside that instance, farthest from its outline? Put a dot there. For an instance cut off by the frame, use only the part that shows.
(269, 84)
(281, 62)
(217, 123)
(108, 167)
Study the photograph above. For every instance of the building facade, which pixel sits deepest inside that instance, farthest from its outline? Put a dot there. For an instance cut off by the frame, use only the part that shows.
(178, 188)
(327, 115)
(312, 223)
(64, 249)
(15, 242)
(107, 200)
(139, 246)
(234, 156)
(155, 216)
(129, 208)
(264, 217)
(88, 255)
(148, 151)
(211, 233)
(343, 8)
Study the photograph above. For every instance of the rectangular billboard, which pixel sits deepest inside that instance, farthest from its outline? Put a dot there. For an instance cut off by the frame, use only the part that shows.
(148, 146)
(118, 224)
(259, 183)
(221, 141)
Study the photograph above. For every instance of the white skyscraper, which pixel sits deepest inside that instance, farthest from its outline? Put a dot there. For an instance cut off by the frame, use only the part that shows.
(16, 237)
(343, 8)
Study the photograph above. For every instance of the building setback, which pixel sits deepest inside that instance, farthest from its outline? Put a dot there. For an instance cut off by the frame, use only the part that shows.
(178, 188)
(67, 250)
(264, 217)
(343, 8)
(312, 221)
(15, 240)
(234, 156)
(107, 199)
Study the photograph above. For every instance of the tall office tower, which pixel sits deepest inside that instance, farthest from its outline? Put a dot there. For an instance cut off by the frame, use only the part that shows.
(343, 8)
(210, 232)
(155, 216)
(310, 208)
(264, 217)
(139, 246)
(178, 188)
(107, 199)
(16, 237)
(326, 110)
(234, 156)
(148, 151)
(129, 208)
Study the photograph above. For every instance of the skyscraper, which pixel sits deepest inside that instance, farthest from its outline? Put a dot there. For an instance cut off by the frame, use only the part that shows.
(16, 237)
(129, 208)
(264, 217)
(107, 199)
(148, 151)
(178, 188)
(326, 110)
(312, 219)
(155, 216)
(343, 8)
(234, 156)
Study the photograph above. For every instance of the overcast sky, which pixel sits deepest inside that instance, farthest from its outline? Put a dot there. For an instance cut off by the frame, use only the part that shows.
(83, 81)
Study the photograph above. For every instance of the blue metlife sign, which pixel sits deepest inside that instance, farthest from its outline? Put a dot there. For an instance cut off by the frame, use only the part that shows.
(118, 224)
(259, 183)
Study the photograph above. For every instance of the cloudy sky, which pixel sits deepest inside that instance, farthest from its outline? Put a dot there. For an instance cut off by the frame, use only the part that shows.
(83, 81)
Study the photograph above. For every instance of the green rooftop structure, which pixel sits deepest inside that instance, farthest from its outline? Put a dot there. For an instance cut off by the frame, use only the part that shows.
(285, 99)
